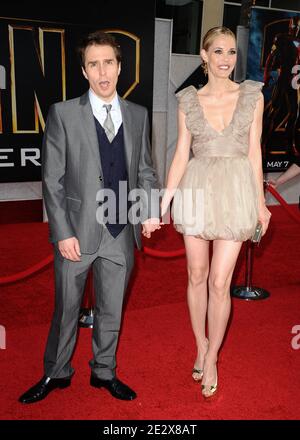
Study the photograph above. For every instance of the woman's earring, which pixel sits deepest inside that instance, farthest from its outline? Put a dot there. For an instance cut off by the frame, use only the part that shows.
(204, 67)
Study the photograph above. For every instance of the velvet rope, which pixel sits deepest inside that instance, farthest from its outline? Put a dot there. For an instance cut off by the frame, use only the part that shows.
(26, 273)
(282, 202)
(163, 254)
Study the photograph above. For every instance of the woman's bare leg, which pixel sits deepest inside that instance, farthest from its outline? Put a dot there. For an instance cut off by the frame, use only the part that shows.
(224, 258)
(197, 252)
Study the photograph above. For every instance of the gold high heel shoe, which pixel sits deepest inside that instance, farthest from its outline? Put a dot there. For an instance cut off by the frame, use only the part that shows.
(209, 391)
(197, 373)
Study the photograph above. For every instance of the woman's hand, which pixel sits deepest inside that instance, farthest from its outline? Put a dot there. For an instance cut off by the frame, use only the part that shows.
(264, 216)
(273, 183)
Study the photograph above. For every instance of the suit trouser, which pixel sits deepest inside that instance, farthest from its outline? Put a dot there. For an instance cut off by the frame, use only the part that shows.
(112, 264)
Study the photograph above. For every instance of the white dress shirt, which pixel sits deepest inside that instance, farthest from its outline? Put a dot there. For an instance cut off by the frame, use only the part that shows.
(100, 112)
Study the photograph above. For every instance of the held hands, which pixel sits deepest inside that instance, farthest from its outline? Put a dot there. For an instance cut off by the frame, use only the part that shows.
(264, 216)
(150, 226)
(70, 249)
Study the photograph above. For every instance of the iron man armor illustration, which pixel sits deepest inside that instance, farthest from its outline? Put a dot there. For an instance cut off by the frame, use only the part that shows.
(283, 108)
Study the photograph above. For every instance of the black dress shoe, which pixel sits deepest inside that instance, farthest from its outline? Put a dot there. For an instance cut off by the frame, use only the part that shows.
(43, 388)
(116, 388)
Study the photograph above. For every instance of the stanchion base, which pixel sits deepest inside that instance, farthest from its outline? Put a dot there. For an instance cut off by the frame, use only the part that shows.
(249, 293)
(86, 318)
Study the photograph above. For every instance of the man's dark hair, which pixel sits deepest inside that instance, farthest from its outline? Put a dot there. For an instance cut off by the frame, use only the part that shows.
(98, 38)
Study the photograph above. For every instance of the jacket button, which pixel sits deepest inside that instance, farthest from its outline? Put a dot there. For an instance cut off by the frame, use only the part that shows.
(100, 178)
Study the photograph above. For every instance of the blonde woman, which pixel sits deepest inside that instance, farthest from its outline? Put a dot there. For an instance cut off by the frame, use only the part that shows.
(222, 124)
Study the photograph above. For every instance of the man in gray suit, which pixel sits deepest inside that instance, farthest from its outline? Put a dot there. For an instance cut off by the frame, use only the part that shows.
(91, 144)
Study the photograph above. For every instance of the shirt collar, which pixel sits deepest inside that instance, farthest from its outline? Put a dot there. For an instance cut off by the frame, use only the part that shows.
(97, 103)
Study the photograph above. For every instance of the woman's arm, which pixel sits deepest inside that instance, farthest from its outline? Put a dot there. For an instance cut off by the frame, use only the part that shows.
(179, 162)
(291, 172)
(256, 161)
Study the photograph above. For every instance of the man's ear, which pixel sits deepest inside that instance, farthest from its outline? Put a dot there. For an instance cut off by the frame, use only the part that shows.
(119, 70)
(84, 73)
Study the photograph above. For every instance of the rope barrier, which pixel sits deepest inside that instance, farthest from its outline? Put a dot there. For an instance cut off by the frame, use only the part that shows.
(26, 273)
(283, 202)
(163, 254)
(148, 251)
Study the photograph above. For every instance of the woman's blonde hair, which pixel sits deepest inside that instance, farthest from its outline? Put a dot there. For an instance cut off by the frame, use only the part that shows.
(214, 33)
(209, 37)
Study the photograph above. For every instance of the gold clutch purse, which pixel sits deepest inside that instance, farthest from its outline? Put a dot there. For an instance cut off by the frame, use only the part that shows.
(257, 233)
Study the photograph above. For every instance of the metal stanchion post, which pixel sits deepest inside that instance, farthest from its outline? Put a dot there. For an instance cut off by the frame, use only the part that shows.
(248, 291)
(86, 316)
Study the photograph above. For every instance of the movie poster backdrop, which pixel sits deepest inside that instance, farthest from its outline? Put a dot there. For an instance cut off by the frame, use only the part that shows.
(39, 66)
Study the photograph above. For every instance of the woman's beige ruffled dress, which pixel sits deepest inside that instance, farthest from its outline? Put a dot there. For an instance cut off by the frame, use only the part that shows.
(217, 195)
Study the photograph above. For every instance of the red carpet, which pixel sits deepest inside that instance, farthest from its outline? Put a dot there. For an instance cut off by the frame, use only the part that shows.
(258, 368)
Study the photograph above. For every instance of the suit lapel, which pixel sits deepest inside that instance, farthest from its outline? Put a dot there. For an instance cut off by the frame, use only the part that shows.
(90, 128)
(127, 130)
